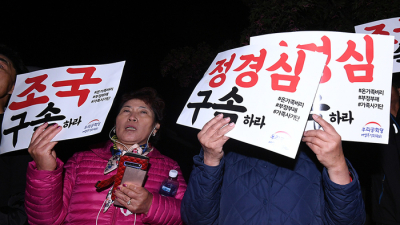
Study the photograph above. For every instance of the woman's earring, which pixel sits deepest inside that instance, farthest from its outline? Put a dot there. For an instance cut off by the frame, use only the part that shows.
(154, 134)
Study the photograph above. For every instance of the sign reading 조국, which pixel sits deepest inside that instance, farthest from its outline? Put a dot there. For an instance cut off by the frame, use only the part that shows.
(78, 98)
(266, 91)
(355, 89)
(385, 27)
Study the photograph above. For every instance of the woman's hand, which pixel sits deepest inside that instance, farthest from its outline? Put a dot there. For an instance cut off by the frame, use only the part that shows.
(327, 145)
(212, 138)
(41, 147)
(139, 198)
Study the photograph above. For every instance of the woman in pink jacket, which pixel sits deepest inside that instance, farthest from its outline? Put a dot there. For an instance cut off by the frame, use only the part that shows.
(66, 194)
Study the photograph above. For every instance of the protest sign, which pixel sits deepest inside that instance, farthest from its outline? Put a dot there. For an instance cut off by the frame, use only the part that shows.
(267, 91)
(385, 27)
(355, 89)
(78, 98)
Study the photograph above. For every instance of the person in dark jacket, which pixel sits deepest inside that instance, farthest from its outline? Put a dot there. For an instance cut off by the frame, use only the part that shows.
(386, 180)
(243, 186)
(12, 165)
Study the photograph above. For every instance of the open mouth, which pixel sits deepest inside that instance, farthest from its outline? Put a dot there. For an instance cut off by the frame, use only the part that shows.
(130, 128)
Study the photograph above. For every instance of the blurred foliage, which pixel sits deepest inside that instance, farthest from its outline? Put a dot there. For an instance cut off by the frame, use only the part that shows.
(275, 16)
(189, 64)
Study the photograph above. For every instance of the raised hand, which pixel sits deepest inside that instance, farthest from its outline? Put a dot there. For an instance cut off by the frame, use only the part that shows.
(41, 147)
(327, 145)
(212, 138)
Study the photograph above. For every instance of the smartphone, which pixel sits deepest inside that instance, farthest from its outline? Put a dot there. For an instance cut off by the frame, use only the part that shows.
(133, 174)
(131, 168)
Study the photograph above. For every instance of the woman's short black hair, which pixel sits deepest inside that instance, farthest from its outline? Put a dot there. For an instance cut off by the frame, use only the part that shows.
(13, 56)
(149, 96)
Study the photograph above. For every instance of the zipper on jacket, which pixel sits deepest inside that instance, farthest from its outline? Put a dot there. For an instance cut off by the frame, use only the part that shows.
(380, 197)
(114, 216)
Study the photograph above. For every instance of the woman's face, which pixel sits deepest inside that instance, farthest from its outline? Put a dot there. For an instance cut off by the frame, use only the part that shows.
(135, 122)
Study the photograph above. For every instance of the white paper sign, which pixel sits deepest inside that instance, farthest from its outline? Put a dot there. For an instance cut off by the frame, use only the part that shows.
(267, 91)
(385, 27)
(78, 98)
(354, 94)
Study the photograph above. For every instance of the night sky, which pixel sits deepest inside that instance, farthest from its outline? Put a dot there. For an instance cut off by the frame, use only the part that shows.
(140, 32)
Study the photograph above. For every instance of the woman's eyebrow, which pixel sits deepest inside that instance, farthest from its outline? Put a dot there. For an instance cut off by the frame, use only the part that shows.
(4, 60)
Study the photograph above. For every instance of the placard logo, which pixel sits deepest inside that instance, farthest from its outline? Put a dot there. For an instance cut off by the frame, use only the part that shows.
(372, 130)
(280, 139)
(92, 126)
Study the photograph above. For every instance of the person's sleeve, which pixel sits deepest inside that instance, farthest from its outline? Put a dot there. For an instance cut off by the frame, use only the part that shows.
(166, 210)
(13, 174)
(48, 193)
(200, 205)
(14, 213)
(343, 203)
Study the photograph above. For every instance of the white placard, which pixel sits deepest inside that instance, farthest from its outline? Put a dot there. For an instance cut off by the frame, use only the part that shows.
(354, 94)
(268, 92)
(385, 27)
(78, 98)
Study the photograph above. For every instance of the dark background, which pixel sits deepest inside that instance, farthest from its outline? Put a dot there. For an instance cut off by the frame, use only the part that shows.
(140, 32)
(144, 32)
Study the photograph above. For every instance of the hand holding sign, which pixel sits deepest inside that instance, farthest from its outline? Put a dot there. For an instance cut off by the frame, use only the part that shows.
(255, 86)
(327, 145)
(75, 97)
(41, 147)
(212, 138)
(361, 67)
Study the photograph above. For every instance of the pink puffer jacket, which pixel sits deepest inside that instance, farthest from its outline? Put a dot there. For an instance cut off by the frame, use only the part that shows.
(68, 196)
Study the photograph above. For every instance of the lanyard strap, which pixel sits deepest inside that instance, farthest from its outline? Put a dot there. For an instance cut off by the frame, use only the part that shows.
(394, 120)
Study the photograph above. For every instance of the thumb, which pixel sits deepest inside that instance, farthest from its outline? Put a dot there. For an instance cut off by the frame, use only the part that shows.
(53, 153)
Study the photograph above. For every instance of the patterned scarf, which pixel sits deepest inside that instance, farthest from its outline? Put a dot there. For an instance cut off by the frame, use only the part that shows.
(112, 164)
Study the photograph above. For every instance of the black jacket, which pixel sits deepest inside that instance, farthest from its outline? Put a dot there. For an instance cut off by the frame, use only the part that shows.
(386, 181)
(13, 167)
